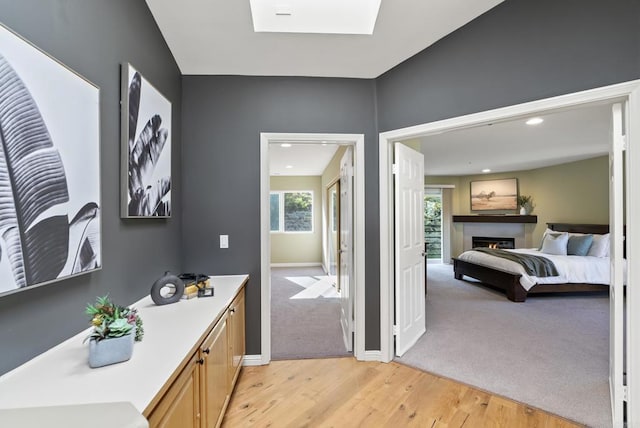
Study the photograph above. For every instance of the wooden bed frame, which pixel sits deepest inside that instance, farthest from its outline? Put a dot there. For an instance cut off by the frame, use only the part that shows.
(510, 282)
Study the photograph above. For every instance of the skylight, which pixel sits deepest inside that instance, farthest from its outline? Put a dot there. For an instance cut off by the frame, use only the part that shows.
(315, 16)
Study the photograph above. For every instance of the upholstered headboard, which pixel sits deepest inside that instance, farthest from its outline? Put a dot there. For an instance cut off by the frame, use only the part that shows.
(579, 228)
(586, 228)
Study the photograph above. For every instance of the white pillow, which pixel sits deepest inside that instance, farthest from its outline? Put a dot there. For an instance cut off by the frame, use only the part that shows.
(599, 246)
(555, 243)
(546, 232)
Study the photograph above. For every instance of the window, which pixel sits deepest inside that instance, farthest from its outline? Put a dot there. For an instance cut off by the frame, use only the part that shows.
(291, 211)
(433, 222)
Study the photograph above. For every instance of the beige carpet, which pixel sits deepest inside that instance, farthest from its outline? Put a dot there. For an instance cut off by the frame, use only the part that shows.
(549, 352)
(305, 315)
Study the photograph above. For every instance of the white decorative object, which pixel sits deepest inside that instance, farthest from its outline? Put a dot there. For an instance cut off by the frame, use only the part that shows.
(523, 210)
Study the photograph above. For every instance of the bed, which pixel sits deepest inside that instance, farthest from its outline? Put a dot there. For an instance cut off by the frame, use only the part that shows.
(592, 273)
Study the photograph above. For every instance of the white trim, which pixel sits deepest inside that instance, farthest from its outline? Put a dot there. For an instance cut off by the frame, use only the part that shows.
(617, 91)
(439, 186)
(252, 360)
(303, 264)
(633, 251)
(371, 356)
(265, 253)
(357, 141)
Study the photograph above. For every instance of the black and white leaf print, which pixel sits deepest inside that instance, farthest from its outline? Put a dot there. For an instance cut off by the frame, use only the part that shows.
(147, 195)
(32, 180)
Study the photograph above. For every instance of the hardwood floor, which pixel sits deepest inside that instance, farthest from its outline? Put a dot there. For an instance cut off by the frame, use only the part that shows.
(341, 392)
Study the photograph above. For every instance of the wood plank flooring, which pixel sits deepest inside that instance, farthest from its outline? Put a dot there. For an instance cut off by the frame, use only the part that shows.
(342, 392)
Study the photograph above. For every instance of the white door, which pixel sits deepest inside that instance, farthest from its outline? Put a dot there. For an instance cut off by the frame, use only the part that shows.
(409, 247)
(346, 283)
(616, 297)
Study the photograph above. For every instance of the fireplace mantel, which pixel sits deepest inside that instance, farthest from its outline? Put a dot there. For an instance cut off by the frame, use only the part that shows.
(496, 218)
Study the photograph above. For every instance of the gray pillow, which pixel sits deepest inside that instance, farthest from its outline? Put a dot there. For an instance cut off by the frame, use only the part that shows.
(578, 245)
(555, 244)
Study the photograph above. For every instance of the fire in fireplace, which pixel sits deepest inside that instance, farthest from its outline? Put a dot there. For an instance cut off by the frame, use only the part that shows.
(492, 242)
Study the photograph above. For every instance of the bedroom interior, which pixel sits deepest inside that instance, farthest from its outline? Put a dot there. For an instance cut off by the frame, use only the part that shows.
(566, 190)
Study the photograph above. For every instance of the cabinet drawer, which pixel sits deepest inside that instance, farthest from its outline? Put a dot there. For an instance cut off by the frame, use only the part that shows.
(180, 406)
(213, 374)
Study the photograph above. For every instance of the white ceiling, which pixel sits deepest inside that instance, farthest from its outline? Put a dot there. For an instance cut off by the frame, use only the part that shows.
(217, 37)
(305, 159)
(564, 136)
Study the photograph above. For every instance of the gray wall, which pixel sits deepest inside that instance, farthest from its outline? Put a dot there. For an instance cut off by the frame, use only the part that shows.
(93, 37)
(520, 51)
(516, 52)
(222, 120)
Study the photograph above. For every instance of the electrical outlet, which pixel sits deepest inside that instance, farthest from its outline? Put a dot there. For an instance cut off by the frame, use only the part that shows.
(224, 241)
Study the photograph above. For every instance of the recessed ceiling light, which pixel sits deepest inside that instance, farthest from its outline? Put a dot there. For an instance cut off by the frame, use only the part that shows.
(285, 145)
(486, 170)
(289, 166)
(535, 121)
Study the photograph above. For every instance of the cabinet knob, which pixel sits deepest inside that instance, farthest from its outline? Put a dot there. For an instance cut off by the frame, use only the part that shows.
(206, 351)
(232, 310)
(200, 361)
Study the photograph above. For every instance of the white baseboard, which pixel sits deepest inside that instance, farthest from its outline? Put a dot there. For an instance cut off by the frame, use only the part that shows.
(312, 264)
(252, 360)
(371, 356)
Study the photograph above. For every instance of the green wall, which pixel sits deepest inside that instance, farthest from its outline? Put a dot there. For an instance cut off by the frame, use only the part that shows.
(575, 192)
(299, 247)
(329, 176)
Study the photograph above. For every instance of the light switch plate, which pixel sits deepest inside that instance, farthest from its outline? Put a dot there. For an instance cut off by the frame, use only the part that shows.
(224, 241)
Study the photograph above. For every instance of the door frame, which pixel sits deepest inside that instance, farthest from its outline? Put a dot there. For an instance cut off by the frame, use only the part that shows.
(623, 91)
(357, 142)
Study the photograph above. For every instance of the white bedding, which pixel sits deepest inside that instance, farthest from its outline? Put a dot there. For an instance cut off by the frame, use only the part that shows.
(577, 269)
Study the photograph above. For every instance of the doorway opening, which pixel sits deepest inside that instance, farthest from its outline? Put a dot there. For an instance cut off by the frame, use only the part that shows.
(306, 299)
(356, 144)
(615, 93)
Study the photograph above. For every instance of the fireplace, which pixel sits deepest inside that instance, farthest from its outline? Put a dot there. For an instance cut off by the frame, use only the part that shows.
(492, 242)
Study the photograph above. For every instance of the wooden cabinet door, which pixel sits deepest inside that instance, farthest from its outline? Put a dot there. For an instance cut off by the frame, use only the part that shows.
(236, 337)
(214, 374)
(180, 405)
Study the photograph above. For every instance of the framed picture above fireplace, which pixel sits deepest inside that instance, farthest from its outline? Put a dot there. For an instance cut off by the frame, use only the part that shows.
(494, 195)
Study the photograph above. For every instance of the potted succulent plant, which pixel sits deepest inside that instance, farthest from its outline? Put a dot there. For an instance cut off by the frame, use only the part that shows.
(525, 202)
(115, 328)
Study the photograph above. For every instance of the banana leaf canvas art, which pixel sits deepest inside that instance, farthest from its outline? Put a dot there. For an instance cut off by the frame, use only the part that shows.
(49, 169)
(146, 148)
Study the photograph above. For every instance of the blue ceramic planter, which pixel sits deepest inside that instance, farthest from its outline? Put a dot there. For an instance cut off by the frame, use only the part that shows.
(111, 351)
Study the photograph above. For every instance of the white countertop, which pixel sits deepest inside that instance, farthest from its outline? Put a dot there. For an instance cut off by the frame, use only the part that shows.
(62, 376)
(121, 415)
